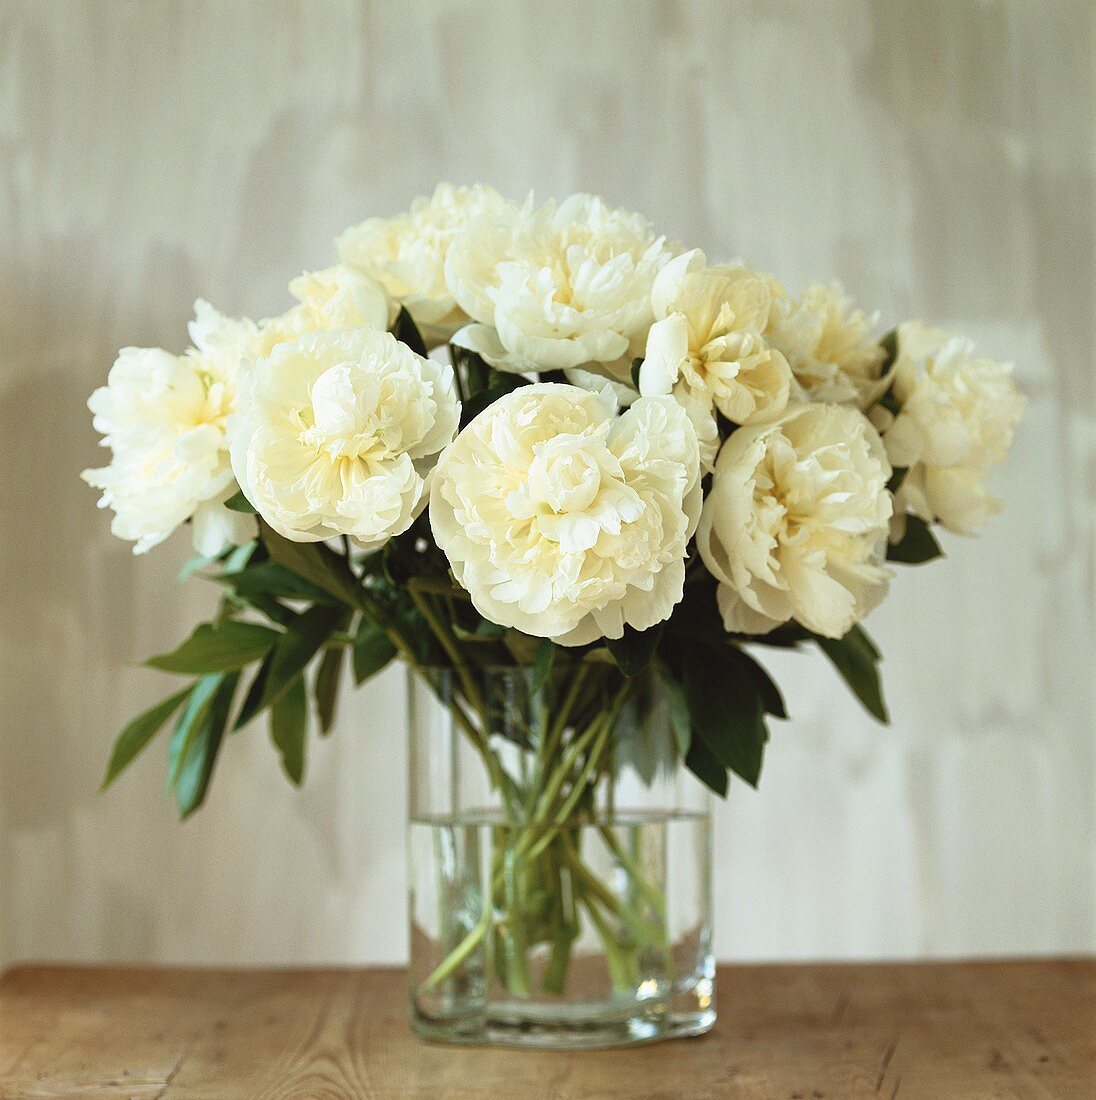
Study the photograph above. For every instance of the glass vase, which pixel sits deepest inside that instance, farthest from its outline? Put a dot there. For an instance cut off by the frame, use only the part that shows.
(559, 861)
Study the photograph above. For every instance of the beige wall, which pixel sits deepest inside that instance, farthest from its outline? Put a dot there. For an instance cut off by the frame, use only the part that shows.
(938, 157)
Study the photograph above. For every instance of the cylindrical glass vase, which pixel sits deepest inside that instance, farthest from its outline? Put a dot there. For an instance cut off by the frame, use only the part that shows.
(559, 861)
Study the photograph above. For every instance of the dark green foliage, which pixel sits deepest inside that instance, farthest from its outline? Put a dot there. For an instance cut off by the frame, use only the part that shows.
(217, 647)
(407, 331)
(139, 732)
(326, 687)
(270, 579)
(635, 649)
(856, 659)
(289, 728)
(302, 640)
(372, 651)
(239, 503)
(727, 712)
(198, 748)
(917, 545)
(314, 563)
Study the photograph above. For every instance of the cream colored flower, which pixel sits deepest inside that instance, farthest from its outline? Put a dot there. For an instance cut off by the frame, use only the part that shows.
(337, 297)
(795, 524)
(567, 521)
(221, 345)
(337, 433)
(955, 423)
(829, 346)
(557, 287)
(407, 253)
(707, 341)
(165, 419)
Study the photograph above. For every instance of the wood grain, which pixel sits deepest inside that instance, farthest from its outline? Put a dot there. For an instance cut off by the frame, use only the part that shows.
(1014, 1029)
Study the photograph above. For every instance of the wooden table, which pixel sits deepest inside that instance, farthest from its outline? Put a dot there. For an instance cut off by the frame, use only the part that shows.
(1010, 1029)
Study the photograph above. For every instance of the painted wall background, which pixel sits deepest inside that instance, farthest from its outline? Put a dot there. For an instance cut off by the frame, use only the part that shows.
(937, 157)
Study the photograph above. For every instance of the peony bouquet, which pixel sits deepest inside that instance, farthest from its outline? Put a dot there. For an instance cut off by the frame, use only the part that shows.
(545, 438)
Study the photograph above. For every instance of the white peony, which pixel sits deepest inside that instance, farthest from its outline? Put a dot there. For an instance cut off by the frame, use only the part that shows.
(828, 343)
(955, 423)
(165, 419)
(337, 433)
(795, 524)
(407, 253)
(221, 345)
(707, 345)
(337, 297)
(564, 520)
(557, 287)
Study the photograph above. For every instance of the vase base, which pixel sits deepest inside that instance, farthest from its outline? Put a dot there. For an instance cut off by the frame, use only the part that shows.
(558, 1034)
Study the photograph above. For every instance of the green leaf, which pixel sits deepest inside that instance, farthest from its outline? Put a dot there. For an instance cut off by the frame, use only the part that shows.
(326, 688)
(372, 651)
(239, 556)
(403, 561)
(498, 385)
(898, 475)
(727, 711)
(191, 723)
(702, 762)
(276, 612)
(485, 632)
(407, 331)
(471, 369)
(542, 665)
(647, 742)
(289, 728)
(239, 503)
(196, 562)
(316, 563)
(523, 648)
(855, 658)
(771, 698)
(678, 707)
(697, 617)
(139, 733)
(218, 647)
(297, 646)
(637, 365)
(635, 649)
(917, 545)
(788, 636)
(253, 701)
(270, 579)
(201, 752)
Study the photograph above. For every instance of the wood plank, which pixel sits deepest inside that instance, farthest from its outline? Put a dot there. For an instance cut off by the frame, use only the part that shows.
(1024, 1029)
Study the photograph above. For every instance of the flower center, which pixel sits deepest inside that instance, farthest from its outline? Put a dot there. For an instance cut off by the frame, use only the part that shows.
(347, 413)
(565, 475)
(574, 491)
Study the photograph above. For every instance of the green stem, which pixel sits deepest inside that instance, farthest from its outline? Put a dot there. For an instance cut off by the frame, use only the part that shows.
(461, 953)
(578, 788)
(620, 964)
(518, 882)
(593, 887)
(652, 895)
(551, 743)
(449, 644)
(511, 932)
(564, 929)
(436, 588)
